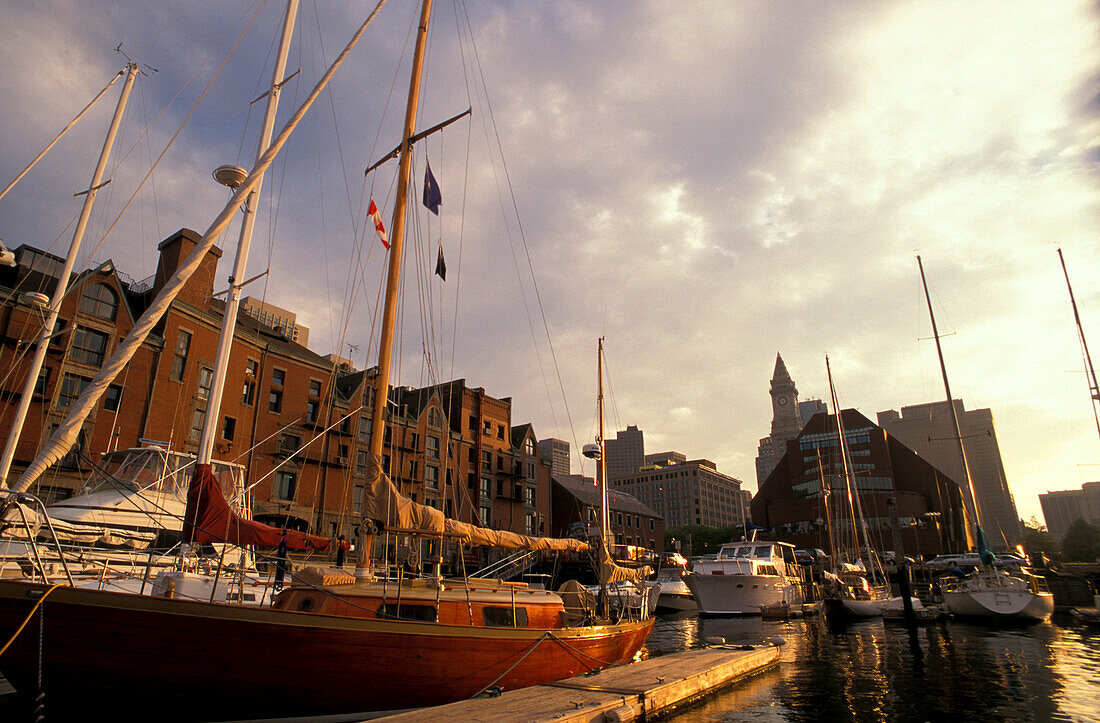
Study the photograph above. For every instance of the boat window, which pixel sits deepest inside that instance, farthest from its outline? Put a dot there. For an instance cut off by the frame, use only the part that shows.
(501, 617)
(764, 552)
(425, 613)
(305, 604)
(744, 552)
(766, 570)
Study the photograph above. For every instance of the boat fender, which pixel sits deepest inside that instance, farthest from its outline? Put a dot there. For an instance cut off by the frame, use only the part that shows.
(625, 712)
(777, 640)
(715, 640)
(494, 692)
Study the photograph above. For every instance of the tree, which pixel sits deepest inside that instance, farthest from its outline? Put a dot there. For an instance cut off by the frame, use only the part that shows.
(1036, 538)
(1081, 542)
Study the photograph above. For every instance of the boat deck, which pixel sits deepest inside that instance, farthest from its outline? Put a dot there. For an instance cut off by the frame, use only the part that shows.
(637, 691)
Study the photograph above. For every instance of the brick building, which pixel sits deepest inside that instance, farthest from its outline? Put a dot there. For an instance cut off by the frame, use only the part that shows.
(299, 422)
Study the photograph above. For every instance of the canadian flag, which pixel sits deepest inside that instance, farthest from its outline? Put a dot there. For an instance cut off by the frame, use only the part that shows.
(372, 211)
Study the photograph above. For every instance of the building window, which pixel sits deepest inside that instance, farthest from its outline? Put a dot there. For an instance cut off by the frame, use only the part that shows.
(529, 496)
(290, 444)
(486, 461)
(529, 446)
(314, 387)
(229, 428)
(311, 410)
(500, 431)
(284, 487)
(361, 464)
(112, 397)
(43, 382)
(486, 487)
(71, 387)
(197, 418)
(248, 394)
(431, 477)
(435, 417)
(357, 498)
(251, 368)
(206, 379)
(99, 301)
(652, 525)
(486, 515)
(89, 347)
(530, 524)
(530, 470)
(364, 430)
(278, 377)
(275, 402)
(179, 361)
(432, 450)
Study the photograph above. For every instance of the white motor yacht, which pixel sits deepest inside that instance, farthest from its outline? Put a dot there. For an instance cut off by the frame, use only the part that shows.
(745, 577)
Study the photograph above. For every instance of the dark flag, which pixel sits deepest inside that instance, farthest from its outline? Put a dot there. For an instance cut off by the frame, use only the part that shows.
(441, 265)
(432, 196)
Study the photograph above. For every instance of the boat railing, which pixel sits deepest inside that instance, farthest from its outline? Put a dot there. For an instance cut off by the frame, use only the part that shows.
(17, 500)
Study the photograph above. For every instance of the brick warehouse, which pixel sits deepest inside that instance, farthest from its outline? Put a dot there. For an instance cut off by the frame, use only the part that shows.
(299, 422)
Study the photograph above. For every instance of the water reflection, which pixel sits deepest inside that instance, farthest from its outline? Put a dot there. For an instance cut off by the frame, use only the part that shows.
(873, 671)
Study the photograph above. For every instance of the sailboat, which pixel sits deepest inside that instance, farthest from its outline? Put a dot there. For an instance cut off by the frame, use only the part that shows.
(333, 642)
(990, 593)
(856, 589)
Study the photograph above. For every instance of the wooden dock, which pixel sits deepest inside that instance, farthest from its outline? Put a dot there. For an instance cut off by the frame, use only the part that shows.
(633, 692)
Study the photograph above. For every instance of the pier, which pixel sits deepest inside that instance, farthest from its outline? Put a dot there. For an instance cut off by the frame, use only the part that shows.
(634, 692)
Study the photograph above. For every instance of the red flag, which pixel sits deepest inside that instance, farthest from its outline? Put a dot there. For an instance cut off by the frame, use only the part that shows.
(372, 211)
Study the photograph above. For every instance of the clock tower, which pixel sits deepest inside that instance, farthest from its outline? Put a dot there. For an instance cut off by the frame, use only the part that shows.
(786, 422)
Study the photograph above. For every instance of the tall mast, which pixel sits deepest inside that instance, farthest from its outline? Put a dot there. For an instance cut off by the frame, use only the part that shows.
(1090, 372)
(972, 500)
(605, 514)
(853, 495)
(63, 281)
(396, 238)
(233, 300)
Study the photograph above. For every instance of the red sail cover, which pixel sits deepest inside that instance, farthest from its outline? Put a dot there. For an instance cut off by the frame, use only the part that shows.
(209, 519)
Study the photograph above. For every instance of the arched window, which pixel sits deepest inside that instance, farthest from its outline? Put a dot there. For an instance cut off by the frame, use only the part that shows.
(99, 301)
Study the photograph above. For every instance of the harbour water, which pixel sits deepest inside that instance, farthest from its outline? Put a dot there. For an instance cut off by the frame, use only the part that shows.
(876, 671)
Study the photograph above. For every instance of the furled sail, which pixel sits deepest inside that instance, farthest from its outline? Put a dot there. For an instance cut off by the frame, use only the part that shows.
(209, 519)
(385, 505)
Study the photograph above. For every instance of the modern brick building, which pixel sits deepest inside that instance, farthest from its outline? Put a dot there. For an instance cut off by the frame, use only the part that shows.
(625, 453)
(791, 503)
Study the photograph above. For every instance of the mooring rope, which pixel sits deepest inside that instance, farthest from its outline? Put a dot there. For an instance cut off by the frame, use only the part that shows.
(30, 615)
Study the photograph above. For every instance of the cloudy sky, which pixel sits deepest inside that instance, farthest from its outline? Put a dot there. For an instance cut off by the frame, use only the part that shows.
(705, 184)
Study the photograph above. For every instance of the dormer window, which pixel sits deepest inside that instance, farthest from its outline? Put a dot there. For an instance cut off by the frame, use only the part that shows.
(99, 301)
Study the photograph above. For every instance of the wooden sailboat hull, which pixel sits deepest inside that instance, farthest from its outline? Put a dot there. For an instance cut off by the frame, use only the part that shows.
(183, 660)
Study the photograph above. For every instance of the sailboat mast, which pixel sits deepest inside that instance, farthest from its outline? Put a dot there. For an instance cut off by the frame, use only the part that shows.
(605, 513)
(1090, 371)
(233, 299)
(853, 497)
(63, 281)
(396, 238)
(972, 507)
(825, 494)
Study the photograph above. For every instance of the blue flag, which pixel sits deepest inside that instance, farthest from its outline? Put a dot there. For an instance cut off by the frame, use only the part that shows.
(432, 196)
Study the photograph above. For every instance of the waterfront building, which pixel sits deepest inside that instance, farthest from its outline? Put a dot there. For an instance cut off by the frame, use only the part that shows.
(291, 416)
(787, 420)
(625, 453)
(686, 492)
(927, 429)
(575, 513)
(792, 505)
(1061, 508)
(557, 451)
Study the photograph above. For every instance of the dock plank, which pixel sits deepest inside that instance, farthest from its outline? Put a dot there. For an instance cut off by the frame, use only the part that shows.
(629, 692)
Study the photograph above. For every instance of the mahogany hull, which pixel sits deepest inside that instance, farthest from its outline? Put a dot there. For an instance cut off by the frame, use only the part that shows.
(198, 661)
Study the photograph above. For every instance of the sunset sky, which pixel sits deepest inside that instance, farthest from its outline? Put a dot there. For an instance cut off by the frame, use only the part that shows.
(704, 184)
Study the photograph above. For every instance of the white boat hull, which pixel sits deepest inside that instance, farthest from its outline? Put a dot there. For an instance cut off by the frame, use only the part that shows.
(741, 594)
(1006, 603)
(875, 608)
